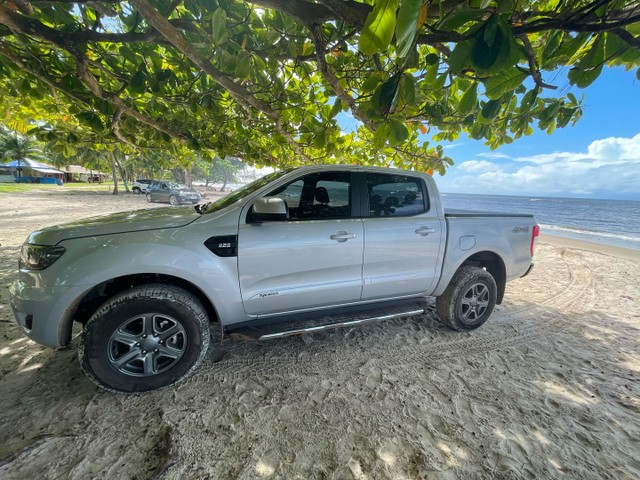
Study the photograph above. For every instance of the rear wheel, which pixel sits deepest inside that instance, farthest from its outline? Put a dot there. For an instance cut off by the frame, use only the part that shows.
(468, 300)
(173, 200)
(145, 338)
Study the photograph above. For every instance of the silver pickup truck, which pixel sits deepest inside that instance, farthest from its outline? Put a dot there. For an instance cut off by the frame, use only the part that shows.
(296, 251)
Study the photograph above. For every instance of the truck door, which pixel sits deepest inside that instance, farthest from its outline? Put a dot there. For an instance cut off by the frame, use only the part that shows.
(403, 237)
(312, 259)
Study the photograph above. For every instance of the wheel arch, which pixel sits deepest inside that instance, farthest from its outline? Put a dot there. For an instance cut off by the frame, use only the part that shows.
(492, 263)
(93, 298)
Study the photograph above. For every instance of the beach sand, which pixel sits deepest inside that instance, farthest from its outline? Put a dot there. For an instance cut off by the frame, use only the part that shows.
(547, 388)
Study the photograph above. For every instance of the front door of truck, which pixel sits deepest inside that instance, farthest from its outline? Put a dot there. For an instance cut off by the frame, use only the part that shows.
(313, 259)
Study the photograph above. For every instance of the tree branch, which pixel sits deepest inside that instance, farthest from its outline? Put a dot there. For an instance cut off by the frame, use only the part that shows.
(238, 92)
(115, 126)
(627, 37)
(328, 74)
(15, 23)
(533, 67)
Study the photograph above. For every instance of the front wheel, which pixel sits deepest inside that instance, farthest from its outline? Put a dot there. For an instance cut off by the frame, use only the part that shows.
(136, 190)
(173, 200)
(145, 338)
(468, 300)
(149, 197)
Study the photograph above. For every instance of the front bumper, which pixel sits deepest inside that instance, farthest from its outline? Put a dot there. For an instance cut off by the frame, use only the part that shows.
(44, 313)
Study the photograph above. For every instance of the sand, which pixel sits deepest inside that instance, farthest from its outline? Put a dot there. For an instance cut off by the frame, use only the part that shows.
(548, 388)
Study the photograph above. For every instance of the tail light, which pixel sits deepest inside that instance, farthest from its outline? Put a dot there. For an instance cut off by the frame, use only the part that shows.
(534, 235)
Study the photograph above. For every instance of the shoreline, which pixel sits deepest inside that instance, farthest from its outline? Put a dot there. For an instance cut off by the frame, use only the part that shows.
(604, 248)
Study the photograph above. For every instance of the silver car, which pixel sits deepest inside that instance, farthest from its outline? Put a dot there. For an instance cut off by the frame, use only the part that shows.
(173, 193)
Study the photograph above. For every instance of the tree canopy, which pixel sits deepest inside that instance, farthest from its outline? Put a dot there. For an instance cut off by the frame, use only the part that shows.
(267, 80)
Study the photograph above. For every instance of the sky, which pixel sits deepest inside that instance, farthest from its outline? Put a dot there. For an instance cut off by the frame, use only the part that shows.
(599, 157)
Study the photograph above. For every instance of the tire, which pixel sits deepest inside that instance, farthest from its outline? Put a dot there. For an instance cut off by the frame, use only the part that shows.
(137, 190)
(149, 198)
(145, 338)
(468, 300)
(173, 200)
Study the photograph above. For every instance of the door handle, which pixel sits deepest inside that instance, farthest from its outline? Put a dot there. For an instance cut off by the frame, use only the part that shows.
(342, 236)
(424, 231)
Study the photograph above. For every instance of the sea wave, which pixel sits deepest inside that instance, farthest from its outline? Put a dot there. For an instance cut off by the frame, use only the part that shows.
(588, 232)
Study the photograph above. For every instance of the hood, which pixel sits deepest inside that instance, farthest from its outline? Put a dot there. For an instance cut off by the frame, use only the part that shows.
(122, 222)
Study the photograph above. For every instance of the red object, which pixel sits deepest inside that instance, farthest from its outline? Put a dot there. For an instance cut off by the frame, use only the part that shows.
(534, 234)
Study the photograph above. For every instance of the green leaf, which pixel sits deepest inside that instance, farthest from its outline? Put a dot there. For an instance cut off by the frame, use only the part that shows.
(407, 25)
(460, 58)
(491, 109)
(439, 82)
(386, 96)
(583, 78)
(91, 119)
(508, 81)
(137, 82)
(398, 132)
(469, 99)
(552, 45)
(380, 136)
(243, 65)
(336, 109)
(379, 27)
(219, 30)
(458, 17)
(407, 89)
(492, 49)
(590, 66)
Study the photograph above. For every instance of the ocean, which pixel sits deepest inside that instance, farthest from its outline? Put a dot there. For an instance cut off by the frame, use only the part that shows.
(612, 222)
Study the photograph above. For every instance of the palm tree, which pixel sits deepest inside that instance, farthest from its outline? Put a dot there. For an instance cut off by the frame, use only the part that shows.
(14, 146)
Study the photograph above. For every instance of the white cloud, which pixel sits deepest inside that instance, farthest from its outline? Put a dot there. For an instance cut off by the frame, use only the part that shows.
(494, 155)
(477, 166)
(610, 166)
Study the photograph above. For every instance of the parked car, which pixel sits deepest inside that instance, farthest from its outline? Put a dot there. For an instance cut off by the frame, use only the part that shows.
(141, 185)
(173, 193)
(296, 251)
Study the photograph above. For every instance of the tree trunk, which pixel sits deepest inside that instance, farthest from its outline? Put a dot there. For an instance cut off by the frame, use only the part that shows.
(114, 171)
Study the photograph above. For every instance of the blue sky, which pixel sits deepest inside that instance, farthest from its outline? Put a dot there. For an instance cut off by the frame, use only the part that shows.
(599, 157)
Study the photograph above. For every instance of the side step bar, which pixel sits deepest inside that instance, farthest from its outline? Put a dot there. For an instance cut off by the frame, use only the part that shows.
(287, 328)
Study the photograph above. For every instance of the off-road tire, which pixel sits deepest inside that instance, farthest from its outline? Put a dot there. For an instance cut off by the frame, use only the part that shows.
(155, 305)
(468, 300)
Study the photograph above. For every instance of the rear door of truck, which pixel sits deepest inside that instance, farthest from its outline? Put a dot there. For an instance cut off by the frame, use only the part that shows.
(404, 236)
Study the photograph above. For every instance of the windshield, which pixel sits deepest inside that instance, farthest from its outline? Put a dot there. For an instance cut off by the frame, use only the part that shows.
(178, 186)
(240, 193)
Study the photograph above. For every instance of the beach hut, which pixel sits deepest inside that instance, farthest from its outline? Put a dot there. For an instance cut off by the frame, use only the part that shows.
(78, 173)
(30, 171)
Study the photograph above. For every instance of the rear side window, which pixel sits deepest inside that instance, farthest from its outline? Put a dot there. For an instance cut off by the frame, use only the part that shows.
(395, 195)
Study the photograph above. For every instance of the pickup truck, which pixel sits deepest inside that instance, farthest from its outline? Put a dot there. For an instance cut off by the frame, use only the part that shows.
(296, 251)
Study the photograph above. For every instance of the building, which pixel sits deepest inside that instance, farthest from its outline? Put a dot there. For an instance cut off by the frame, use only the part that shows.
(30, 171)
(78, 173)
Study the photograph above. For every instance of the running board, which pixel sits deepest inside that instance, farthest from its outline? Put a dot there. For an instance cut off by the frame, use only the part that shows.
(287, 328)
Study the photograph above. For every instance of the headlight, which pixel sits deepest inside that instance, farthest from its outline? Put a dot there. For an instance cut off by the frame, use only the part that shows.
(38, 257)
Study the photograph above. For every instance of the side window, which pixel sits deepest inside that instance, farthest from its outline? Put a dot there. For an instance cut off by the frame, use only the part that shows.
(395, 195)
(317, 196)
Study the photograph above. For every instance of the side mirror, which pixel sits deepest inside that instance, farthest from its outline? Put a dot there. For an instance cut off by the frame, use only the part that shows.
(269, 209)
